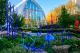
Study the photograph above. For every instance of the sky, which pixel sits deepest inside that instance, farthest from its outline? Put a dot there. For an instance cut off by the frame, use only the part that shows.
(46, 5)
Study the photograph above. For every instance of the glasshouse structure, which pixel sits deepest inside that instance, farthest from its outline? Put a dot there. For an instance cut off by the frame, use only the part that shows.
(33, 13)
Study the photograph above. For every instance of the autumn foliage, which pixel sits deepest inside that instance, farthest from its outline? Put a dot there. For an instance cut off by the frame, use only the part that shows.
(52, 18)
(70, 6)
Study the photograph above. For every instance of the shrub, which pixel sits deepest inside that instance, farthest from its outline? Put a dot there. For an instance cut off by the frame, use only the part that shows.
(16, 41)
(57, 42)
(78, 43)
(4, 43)
(72, 43)
(29, 40)
(76, 34)
(39, 42)
(49, 49)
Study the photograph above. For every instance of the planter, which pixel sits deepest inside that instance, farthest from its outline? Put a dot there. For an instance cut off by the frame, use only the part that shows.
(61, 49)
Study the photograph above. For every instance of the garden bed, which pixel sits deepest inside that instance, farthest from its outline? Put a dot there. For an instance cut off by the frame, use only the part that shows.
(13, 43)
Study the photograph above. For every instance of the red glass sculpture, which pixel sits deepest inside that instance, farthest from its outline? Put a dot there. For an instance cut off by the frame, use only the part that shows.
(77, 24)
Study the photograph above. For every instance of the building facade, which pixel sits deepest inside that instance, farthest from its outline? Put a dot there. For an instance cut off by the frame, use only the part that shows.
(75, 1)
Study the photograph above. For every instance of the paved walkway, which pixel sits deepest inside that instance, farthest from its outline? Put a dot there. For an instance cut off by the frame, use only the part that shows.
(3, 32)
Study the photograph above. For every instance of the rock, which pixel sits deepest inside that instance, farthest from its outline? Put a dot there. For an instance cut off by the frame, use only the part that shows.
(61, 49)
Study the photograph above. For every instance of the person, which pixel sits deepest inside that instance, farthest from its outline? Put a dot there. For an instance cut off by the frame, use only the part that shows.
(77, 24)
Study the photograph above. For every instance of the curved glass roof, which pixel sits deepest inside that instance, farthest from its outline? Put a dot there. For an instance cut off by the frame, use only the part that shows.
(30, 10)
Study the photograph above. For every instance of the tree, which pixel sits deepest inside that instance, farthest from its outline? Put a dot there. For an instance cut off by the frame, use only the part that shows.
(71, 7)
(58, 10)
(18, 20)
(52, 17)
(2, 12)
(65, 18)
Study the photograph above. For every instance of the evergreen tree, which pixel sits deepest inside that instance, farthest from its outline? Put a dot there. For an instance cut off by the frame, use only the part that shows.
(65, 18)
(2, 12)
(18, 20)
